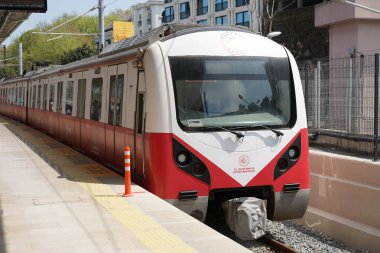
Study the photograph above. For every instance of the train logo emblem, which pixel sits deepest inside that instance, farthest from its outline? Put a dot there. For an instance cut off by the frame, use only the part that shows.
(244, 161)
(233, 43)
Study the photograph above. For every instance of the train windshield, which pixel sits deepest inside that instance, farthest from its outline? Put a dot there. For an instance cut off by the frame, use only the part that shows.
(232, 91)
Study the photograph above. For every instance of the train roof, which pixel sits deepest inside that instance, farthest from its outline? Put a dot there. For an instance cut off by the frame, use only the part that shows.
(125, 48)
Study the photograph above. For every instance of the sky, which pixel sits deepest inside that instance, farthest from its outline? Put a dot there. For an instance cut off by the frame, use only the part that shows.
(58, 7)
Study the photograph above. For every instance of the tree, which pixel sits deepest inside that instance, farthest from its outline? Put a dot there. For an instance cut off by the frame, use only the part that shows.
(77, 54)
(6, 72)
(38, 47)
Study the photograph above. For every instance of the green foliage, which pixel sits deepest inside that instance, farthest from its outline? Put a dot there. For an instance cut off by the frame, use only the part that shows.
(6, 72)
(36, 47)
(77, 54)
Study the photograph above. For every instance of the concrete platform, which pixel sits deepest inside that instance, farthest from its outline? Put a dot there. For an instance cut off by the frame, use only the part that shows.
(54, 199)
(345, 199)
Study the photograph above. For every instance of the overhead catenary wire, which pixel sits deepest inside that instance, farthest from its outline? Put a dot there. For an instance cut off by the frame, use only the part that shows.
(79, 16)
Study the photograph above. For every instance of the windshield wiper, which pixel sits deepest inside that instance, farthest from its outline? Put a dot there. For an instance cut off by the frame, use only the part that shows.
(277, 132)
(238, 134)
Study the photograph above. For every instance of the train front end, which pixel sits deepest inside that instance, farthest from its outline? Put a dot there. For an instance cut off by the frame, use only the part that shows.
(238, 125)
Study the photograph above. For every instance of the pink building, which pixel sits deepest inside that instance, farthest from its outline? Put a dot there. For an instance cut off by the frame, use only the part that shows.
(352, 29)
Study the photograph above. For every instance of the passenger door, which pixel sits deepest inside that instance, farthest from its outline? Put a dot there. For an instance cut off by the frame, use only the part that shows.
(80, 107)
(139, 126)
(114, 129)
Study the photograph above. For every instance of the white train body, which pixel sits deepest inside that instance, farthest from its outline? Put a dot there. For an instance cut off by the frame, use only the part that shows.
(210, 113)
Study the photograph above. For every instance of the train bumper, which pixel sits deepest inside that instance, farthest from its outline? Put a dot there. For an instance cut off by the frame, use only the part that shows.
(288, 205)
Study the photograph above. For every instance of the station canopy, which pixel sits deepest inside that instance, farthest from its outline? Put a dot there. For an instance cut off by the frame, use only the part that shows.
(14, 12)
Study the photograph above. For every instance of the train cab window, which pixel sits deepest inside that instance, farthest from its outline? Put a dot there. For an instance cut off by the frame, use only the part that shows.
(81, 100)
(59, 97)
(115, 107)
(69, 98)
(96, 99)
(233, 92)
(44, 97)
(51, 97)
(38, 104)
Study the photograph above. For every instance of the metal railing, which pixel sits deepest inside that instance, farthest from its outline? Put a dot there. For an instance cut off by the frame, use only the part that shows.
(341, 97)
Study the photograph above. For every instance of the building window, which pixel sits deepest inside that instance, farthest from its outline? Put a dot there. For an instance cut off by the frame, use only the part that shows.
(242, 18)
(168, 1)
(202, 7)
(203, 21)
(168, 15)
(241, 3)
(185, 10)
(222, 20)
(221, 5)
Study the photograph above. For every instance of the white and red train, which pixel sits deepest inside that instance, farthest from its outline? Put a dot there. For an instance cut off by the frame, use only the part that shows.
(210, 113)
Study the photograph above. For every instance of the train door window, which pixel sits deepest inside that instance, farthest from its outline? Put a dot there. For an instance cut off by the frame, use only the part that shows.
(13, 95)
(19, 96)
(51, 97)
(96, 99)
(38, 104)
(69, 97)
(81, 99)
(116, 100)
(59, 97)
(44, 97)
(33, 100)
(140, 113)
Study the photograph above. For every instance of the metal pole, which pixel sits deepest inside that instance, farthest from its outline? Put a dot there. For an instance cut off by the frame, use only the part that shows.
(101, 25)
(349, 96)
(20, 59)
(376, 111)
(319, 95)
(5, 54)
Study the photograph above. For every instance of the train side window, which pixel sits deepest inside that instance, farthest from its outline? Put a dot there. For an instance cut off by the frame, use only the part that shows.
(69, 97)
(39, 89)
(44, 97)
(51, 97)
(59, 97)
(140, 113)
(14, 95)
(115, 108)
(96, 99)
(19, 96)
(33, 100)
(81, 99)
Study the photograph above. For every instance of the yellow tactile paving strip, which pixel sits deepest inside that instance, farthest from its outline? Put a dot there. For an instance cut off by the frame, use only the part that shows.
(151, 234)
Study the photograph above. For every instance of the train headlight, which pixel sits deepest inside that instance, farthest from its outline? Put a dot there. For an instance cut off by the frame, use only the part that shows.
(183, 158)
(293, 152)
(199, 169)
(282, 164)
